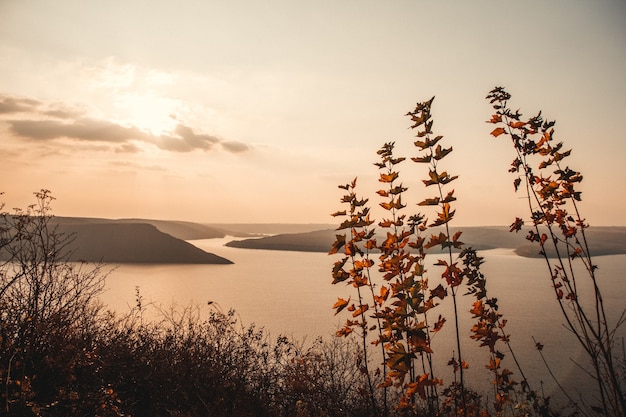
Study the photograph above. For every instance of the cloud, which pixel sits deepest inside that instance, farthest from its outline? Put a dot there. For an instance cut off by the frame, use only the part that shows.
(194, 140)
(235, 147)
(48, 123)
(82, 129)
(61, 113)
(128, 148)
(10, 105)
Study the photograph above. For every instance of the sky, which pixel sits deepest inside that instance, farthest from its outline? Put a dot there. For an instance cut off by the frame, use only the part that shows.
(248, 111)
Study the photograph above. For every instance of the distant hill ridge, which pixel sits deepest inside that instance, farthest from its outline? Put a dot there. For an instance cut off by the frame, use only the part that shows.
(156, 241)
(135, 241)
(178, 229)
(603, 240)
(164, 241)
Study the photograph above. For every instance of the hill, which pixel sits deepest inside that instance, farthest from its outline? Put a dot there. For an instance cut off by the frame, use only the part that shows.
(125, 241)
(316, 241)
(163, 241)
(321, 240)
(192, 231)
(133, 243)
(178, 229)
(603, 240)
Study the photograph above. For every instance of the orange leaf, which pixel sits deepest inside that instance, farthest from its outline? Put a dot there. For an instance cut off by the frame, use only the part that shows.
(420, 385)
(344, 331)
(440, 153)
(365, 263)
(340, 240)
(422, 159)
(429, 202)
(436, 240)
(385, 223)
(449, 198)
(493, 364)
(439, 324)
(341, 304)
(388, 177)
(498, 131)
(370, 244)
(339, 274)
(439, 292)
(496, 118)
(478, 309)
(362, 309)
(384, 293)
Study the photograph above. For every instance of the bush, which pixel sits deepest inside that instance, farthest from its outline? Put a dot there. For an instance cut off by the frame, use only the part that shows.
(62, 354)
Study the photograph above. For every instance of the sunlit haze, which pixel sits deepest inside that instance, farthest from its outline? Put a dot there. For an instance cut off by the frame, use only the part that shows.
(249, 111)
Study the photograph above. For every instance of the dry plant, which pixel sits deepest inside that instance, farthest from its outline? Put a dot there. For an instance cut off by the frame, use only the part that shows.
(559, 229)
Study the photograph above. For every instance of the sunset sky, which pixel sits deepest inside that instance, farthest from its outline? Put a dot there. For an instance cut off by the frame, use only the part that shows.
(254, 111)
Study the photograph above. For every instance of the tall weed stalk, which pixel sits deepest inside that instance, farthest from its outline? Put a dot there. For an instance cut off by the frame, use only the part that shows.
(398, 303)
(559, 230)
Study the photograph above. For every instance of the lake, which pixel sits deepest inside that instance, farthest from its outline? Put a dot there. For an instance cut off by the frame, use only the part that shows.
(290, 293)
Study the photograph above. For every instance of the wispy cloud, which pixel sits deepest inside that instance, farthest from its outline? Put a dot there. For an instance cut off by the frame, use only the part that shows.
(186, 140)
(235, 147)
(10, 105)
(32, 119)
(80, 129)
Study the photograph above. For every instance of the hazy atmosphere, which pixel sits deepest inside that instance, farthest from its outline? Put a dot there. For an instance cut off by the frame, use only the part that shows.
(247, 111)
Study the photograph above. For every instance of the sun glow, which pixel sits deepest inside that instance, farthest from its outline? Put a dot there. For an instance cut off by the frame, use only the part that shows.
(150, 113)
(139, 95)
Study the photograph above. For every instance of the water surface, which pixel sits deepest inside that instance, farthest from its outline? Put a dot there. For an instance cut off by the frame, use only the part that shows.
(290, 293)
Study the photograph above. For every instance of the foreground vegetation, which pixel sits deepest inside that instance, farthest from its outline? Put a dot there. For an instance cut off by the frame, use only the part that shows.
(63, 354)
(395, 307)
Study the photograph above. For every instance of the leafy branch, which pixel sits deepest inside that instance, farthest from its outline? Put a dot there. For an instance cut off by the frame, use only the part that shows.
(557, 226)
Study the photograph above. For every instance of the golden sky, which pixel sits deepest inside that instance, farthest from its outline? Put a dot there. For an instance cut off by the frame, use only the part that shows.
(254, 111)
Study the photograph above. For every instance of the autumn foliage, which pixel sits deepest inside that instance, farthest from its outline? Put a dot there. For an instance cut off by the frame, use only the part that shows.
(394, 309)
(556, 224)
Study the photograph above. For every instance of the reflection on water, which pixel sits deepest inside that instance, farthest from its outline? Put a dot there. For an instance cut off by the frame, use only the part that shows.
(291, 293)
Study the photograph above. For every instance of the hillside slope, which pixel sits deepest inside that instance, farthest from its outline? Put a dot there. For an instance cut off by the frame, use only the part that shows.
(317, 241)
(603, 240)
(321, 240)
(178, 229)
(133, 242)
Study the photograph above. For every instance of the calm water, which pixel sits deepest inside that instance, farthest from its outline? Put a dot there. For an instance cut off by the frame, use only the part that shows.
(290, 293)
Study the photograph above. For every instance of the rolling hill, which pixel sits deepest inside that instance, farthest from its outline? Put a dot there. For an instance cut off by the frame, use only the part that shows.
(164, 241)
(134, 241)
(178, 229)
(603, 241)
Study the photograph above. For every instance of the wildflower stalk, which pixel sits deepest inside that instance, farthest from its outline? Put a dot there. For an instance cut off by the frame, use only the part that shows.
(361, 237)
(432, 152)
(549, 197)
